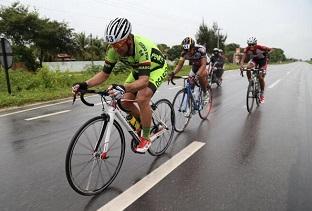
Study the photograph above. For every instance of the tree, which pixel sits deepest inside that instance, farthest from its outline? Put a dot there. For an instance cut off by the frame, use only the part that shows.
(88, 48)
(98, 48)
(39, 37)
(209, 37)
(231, 47)
(164, 49)
(277, 55)
(174, 52)
(230, 50)
(52, 37)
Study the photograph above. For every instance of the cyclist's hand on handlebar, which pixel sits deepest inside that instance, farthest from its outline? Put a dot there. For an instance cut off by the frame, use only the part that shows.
(79, 86)
(241, 70)
(170, 76)
(116, 91)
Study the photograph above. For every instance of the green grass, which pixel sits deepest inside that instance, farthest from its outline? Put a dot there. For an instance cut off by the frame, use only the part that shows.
(45, 85)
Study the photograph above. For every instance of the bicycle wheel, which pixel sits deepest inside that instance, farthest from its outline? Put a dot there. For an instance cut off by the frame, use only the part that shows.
(163, 119)
(88, 170)
(206, 105)
(182, 106)
(250, 97)
(257, 93)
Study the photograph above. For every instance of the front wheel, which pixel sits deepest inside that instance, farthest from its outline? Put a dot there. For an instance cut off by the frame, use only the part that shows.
(162, 127)
(89, 169)
(250, 97)
(182, 106)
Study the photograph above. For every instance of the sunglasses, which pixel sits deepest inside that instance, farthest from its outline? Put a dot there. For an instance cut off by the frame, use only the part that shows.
(251, 44)
(119, 44)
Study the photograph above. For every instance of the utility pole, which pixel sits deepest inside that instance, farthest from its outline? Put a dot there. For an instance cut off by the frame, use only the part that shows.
(91, 47)
(218, 29)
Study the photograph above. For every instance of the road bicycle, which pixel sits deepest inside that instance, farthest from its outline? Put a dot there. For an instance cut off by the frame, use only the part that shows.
(96, 151)
(190, 100)
(213, 76)
(253, 90)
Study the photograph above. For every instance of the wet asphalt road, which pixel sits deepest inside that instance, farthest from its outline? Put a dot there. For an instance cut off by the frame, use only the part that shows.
(260, 161)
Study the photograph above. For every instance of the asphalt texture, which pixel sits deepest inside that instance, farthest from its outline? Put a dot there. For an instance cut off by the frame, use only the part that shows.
(256, 161)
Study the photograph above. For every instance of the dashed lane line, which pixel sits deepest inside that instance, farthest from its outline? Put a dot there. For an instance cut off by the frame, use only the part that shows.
(126, 198)
(46, 115)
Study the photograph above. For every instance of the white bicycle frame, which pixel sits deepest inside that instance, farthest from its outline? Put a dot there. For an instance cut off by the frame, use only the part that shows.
(114, 113)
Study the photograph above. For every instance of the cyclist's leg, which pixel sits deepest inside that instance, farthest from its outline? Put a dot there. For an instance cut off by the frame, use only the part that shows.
(262, 65)
(131, 96)
(144, 97)
(202, 76)
(251, 64)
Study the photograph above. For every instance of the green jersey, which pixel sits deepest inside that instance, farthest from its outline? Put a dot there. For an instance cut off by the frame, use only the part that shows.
(145, 59)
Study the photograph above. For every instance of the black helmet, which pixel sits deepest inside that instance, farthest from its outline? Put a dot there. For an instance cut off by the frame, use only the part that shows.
(188, 43)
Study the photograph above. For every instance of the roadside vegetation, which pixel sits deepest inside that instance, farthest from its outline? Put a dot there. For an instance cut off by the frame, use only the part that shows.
(44, 85)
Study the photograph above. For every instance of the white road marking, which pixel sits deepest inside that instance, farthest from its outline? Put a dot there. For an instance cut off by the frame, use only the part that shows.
(176, 87)
(125, 199)
(30, 109)
(43, 106)
(276, 82)
(46, 115)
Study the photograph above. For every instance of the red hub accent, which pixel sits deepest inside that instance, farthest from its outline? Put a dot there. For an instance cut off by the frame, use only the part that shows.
(103, 155)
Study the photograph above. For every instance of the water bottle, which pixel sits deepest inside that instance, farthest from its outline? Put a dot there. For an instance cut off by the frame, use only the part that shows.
(134, 123)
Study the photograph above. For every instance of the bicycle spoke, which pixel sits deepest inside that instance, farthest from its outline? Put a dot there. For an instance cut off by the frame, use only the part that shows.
(90, 175)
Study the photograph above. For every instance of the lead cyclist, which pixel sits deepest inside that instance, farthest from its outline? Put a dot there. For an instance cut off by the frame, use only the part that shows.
(149, 70)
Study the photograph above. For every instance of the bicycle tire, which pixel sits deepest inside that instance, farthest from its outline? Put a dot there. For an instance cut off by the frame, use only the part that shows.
(257, 93)
(163, 109)
(182, 118)
(86, 135)
(250, 96)
(206, 106)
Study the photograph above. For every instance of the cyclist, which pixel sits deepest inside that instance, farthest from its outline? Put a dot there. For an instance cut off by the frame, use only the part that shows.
(197, 56)
(149, 70)
(258, 56)
(217, 60)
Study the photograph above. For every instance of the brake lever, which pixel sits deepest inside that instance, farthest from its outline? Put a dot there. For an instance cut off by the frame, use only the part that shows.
(74, 98)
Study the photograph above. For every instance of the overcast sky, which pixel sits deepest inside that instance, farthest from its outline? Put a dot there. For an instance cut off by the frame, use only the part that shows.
(285, 24)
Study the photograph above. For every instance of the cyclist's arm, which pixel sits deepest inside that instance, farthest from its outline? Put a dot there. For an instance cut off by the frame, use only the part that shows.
(137, 85)
(203, 62)
(243, 60)
(109, 63)
(179, 65)
(97, 79)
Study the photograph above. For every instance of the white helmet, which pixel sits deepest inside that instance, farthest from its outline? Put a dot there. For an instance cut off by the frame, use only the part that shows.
(252, 41)
(215, 51)
(117, 29)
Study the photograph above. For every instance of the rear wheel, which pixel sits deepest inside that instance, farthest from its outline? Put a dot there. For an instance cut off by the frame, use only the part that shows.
(162, 127)
(182, 106)
(250, 97)
(206, 104)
